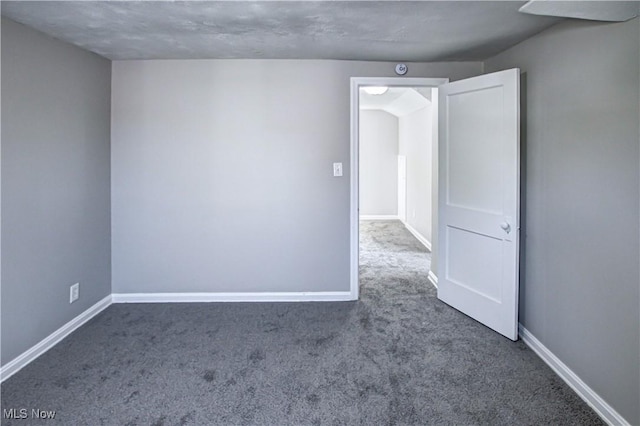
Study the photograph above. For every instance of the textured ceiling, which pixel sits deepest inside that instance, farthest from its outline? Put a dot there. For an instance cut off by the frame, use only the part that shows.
(359, 30)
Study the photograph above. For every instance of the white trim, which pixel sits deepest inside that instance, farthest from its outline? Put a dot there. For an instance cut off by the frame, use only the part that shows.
(433, 279)
(354, 207)
(379, 217)
(356, 83)
(53, 339)
(311, 296)
(599, 405)
(418, 235)
(397, 82)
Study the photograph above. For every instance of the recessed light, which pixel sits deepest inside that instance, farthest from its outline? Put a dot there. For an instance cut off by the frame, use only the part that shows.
(376, 90)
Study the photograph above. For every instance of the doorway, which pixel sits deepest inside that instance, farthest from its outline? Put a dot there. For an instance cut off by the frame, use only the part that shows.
(398, 202)
(476, 182)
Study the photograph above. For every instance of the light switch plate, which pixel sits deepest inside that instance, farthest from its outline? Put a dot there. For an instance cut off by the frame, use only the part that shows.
(74, 292)
(337, 169)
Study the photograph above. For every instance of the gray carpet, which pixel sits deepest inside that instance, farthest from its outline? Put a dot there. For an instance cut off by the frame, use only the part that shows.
(396, 357)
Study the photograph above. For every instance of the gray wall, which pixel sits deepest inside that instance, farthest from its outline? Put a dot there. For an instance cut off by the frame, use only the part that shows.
(580, 283)
(55, 184)
(222, 173)
(378, 163)
(415, 143)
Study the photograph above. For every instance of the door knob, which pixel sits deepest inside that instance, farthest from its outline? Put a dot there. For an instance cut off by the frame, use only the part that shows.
(506, 227)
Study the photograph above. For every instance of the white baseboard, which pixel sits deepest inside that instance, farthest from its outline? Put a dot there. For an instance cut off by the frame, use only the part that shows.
(50, 341)
(378, 217)
(418, 235)
(433, 279)
(599, 405)
(320, 296)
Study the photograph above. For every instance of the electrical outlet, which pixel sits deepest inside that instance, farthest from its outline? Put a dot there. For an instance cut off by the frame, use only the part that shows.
(74, 292)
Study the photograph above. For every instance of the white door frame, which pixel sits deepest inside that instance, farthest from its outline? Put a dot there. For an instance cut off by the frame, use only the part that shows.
(356, 84)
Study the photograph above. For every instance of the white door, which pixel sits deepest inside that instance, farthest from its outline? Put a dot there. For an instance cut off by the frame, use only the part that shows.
(402, 188)
(479, 174)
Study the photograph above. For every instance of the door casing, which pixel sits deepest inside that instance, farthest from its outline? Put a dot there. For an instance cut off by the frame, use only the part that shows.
(356, 84)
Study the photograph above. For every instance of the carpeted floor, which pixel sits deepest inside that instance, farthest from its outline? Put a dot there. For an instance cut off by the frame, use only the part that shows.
(396, 357)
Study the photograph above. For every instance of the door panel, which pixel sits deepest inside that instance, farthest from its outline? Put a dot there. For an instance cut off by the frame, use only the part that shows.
(474, 262)
(479, 176)
(472, 178)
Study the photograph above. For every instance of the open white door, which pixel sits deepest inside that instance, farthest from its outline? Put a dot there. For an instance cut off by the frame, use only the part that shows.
(479, 181)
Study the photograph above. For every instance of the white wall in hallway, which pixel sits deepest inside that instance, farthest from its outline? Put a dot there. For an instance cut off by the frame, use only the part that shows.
(415, 142)
(378, 163)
